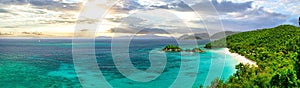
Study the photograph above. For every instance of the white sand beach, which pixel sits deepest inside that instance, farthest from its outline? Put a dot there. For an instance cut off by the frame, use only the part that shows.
(240, 58)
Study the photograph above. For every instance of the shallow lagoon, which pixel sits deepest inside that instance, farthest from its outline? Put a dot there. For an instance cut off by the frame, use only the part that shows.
(48, 63)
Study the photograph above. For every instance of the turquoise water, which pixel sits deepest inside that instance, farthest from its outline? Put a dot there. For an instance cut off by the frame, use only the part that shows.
(27, 63)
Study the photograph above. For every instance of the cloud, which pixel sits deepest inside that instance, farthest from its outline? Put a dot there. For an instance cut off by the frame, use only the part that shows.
(128, 5)
(223, 6)
(21, 18)
(17, 2)
(179, 6)
(253, 19)
(152, 16)
(239, 15)
(45, 4)
(133, 24)
(154, 4)
(139, 30)
(3, 11)
(229, 6)
(148, 23)
(288, 7)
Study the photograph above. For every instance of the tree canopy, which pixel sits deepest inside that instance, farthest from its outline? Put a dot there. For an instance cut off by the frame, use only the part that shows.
(276, 51)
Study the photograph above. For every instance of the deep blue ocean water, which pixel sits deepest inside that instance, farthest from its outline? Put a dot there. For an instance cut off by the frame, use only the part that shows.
(39, 63)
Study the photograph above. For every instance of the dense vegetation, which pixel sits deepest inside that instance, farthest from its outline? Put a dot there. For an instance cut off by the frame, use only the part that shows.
(173, 48)
(276, 51)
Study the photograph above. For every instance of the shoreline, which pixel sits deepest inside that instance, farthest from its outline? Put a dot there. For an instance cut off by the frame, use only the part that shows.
(240, 58)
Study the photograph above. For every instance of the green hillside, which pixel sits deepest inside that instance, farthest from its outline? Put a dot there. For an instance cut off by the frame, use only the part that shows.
(276, 51)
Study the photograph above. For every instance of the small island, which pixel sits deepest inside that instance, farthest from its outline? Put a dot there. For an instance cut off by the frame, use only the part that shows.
(173, 48)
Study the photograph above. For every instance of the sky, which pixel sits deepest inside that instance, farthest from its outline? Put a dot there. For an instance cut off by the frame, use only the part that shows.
(143, 17)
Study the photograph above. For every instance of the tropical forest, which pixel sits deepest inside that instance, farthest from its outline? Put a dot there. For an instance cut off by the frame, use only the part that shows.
(276, 51)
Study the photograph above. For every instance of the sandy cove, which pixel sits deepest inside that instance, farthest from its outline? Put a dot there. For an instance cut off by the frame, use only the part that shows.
(240, 58)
